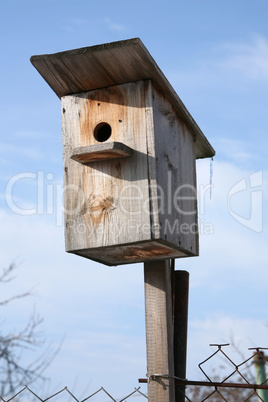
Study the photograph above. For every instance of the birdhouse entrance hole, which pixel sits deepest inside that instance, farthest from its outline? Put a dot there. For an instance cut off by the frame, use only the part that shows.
(102, 132)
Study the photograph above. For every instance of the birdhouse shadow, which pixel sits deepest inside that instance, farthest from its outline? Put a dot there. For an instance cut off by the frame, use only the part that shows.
(123, 168)
(113, 95)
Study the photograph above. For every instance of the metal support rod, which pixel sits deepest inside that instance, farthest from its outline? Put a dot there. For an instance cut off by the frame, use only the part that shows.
(208, 383)
(180, 314)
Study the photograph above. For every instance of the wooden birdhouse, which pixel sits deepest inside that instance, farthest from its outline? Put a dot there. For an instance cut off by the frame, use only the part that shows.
(129, 151)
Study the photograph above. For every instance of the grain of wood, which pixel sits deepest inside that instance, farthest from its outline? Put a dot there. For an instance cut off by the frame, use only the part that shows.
(99, 198)
(175, 176)
(159, 330)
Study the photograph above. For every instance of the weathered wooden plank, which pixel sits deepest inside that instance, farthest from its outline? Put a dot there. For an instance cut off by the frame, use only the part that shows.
(152, 162)
(131, 253)
(175, 177)
(159, 330)
(115, 63)
(101, 152)
(99, 207)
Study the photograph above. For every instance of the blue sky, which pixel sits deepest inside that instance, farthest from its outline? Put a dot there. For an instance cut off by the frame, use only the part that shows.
(215, 55)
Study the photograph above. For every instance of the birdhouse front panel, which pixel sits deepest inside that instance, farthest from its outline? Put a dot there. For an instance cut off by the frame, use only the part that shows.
(105, 198)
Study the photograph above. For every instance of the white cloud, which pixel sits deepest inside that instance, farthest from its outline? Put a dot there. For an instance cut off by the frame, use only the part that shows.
(249, 58)
(101, 309)
(233, 248)
(241, 333)
(237, 150)
(225, 65)
(13, 150)
(113, 26)
(225, 177)
(24, 134)
(75, 24)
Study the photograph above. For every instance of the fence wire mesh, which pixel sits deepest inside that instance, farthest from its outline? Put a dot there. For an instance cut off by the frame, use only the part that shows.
(64, 394)
(239, 383)
(241, 376)
(246, 381)
(228, 381)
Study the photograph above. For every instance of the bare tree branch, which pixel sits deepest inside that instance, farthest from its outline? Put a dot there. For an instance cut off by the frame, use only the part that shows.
(14, 372)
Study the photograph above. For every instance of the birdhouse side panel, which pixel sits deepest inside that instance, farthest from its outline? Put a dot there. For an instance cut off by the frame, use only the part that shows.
(176, 178)
(106, 202)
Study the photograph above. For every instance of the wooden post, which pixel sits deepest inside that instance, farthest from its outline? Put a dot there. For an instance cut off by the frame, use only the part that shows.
(159, 330)
(181, 292)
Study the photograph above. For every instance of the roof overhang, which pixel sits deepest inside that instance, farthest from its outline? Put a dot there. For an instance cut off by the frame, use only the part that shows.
(115, 63)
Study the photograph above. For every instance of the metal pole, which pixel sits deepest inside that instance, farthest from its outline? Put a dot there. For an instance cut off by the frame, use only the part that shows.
(259, 362)
(180, 313)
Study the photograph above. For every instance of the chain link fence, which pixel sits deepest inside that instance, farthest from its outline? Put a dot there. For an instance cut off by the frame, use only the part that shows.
(228, 381)
(246, 381)
(242, 382)
(27, 394)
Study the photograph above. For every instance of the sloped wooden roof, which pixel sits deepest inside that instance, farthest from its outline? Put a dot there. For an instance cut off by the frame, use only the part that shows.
(115, 63)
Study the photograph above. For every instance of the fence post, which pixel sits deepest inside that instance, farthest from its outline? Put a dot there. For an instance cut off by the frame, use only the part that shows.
(260, 362)
(159, 330)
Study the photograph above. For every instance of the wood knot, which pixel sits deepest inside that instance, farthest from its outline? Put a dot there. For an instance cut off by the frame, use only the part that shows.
(99, 208)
